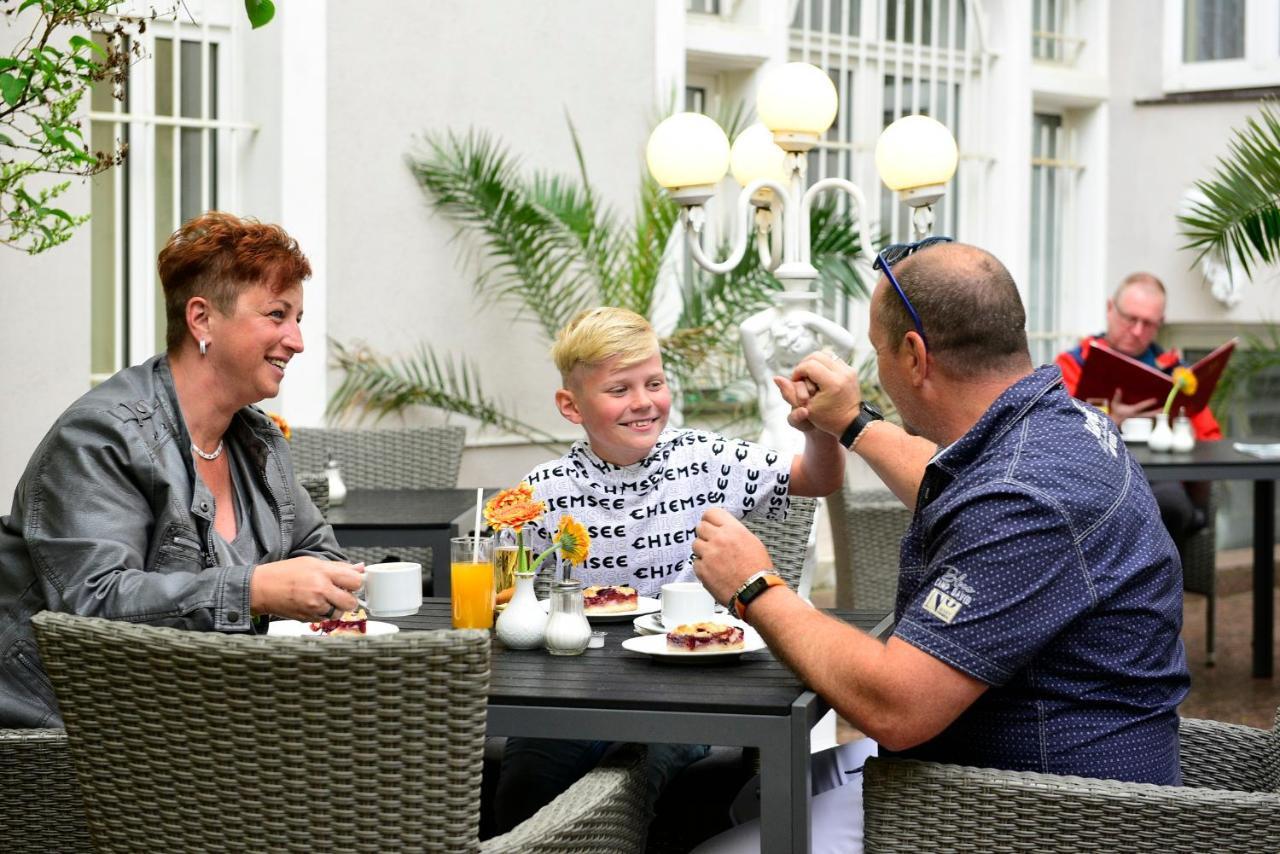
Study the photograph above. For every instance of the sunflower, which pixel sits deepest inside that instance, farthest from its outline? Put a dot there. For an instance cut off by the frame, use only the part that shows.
(513, 508)
(573, 539)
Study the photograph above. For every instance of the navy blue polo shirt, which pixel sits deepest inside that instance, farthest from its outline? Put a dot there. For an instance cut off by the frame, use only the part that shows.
(1036, 562)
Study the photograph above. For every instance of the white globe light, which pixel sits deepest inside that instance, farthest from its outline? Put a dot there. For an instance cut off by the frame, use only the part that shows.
(916, 151)
(755, 155)
(687, 150)
(797, 98)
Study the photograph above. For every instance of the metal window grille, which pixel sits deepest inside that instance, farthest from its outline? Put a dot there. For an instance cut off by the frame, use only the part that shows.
(178, 118)
(1053, 179)
(888, 59)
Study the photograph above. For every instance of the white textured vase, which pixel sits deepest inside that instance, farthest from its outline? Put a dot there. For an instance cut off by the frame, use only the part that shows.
(1161, 438)
(1184, 437)
(523, 623)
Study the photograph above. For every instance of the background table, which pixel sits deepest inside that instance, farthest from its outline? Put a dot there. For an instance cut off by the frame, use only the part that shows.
(387, 518)
(614, 694)
(1220, 461)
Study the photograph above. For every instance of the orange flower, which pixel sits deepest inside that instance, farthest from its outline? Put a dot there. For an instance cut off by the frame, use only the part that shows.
(282, 424)
(573, 539)
(1184, 380)
(513, 508)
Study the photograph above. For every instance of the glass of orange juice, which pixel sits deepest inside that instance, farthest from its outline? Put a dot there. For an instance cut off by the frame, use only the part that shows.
(471, 577)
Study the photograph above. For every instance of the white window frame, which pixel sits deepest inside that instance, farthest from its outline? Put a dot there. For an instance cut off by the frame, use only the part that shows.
(1259, 67)
(220, 24)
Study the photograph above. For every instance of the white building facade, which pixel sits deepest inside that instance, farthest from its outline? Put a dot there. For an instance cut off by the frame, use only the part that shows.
(1081, 124)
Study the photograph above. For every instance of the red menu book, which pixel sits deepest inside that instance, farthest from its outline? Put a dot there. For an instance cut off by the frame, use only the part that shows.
(1106, 370)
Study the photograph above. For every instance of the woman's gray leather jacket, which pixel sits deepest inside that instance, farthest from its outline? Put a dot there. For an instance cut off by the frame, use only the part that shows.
(109, 521)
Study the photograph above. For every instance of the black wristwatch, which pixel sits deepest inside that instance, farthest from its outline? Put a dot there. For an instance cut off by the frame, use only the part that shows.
(866, 415)
(753, 587)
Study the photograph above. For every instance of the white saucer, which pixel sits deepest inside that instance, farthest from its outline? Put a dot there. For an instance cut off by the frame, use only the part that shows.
(651, 624)
(294, 628)
(656, 646)
(644, 605)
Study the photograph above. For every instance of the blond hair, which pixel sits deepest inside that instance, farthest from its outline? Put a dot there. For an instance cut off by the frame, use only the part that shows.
(597, 335)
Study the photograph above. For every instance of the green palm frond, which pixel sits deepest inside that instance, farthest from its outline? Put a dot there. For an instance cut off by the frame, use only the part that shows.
(1256, 356)
(1240, 214)
(376, 385)
(530, 258)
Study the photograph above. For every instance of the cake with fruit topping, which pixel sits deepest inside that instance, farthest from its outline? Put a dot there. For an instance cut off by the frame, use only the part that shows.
(705, 637)
(346, 623)
(613, 599)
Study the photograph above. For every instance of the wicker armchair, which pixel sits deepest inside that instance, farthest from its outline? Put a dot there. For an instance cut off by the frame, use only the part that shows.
(42, 810)
(866, 530)
(317, 486)
(1200, 569)
(1229, 802)
(198, 741)
(413, 458)
(788, 542)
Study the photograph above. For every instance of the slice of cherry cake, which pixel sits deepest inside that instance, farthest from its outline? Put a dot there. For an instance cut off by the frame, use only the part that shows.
(346, 623)
(705, 637)
(599, 599)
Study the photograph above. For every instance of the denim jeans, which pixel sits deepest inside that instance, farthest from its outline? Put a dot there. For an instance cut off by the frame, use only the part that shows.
(536, 770)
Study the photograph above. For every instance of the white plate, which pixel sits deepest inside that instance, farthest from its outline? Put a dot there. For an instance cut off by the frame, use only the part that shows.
(651, 624)
(656, 646)
(644, 605)
(293, 628)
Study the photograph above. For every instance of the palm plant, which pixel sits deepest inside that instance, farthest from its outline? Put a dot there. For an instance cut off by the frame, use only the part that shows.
(544, 247)
(1239, 218)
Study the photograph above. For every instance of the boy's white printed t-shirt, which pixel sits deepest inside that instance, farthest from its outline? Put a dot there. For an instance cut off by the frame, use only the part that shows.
(642, 518)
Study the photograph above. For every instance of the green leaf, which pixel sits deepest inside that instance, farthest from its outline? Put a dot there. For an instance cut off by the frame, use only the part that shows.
(260, 12)
(8, 62)
(79, 42)
(11, 88)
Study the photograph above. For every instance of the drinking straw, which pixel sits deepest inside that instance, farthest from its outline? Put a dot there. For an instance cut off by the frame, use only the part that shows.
(475, 552)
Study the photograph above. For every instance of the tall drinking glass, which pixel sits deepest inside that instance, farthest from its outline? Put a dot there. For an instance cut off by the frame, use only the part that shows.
(504, 561)
(471, 574)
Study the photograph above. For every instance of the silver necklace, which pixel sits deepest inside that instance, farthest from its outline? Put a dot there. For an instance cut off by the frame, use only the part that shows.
(217, 452)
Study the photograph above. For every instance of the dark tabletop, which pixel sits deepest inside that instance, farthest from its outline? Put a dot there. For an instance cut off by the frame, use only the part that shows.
(402, 508)
(616, 678)
(1206, 461)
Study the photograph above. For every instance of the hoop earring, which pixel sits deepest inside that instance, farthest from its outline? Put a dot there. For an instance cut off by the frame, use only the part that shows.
(204, 347)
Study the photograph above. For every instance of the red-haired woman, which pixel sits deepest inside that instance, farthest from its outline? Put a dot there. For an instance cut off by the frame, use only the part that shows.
(163, 496)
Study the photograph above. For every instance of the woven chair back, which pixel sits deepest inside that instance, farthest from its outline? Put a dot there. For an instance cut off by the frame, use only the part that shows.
(42, 808)
(413, 458)
(787, 542)
(866, 535)
(187, 740)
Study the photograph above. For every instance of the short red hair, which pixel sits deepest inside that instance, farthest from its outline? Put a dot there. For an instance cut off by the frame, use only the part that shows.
(217, 256)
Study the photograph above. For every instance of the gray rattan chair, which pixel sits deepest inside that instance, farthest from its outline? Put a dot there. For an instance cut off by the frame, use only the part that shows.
(412, 458)
(317, 486)
(189, 741)
(866, 531)
(1199, 570)
(40, 805)
(788, 542)
(1229, 802)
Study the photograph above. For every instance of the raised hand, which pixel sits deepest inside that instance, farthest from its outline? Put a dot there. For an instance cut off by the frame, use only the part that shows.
(304, 588)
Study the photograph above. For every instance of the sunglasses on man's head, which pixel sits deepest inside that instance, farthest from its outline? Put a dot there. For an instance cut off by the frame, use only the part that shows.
(892, 254)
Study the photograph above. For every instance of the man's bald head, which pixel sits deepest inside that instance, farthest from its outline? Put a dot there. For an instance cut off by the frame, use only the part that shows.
(970, 308)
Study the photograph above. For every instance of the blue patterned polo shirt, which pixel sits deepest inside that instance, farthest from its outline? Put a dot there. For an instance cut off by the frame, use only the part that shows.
(1037, 563)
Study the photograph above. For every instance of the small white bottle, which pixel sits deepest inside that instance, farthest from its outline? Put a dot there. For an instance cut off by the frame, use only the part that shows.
(337, 489)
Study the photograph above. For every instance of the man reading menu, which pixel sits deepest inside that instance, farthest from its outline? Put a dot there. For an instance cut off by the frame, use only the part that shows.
(1135, 314)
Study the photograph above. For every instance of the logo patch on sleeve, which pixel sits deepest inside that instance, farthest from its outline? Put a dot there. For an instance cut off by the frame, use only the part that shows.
(950, 593)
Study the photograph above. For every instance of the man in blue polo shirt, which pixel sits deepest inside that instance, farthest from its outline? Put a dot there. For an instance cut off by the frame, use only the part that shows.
(1039, 596)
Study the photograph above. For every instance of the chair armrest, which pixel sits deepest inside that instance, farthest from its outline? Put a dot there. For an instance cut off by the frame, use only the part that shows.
(1218, 755)
(606, 810)
(911, 805)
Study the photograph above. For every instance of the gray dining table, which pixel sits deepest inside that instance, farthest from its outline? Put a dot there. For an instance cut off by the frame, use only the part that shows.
(1221, 461)
(615, 694)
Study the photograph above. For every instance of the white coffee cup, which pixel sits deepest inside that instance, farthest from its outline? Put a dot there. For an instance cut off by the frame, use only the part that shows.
(1136, 429)
(391, 589)
(685, 602)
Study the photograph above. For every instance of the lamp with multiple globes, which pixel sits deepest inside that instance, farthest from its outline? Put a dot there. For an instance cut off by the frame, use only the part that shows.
(688, 154)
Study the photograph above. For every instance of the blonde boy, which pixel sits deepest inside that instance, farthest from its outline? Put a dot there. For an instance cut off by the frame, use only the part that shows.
(640, 487)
